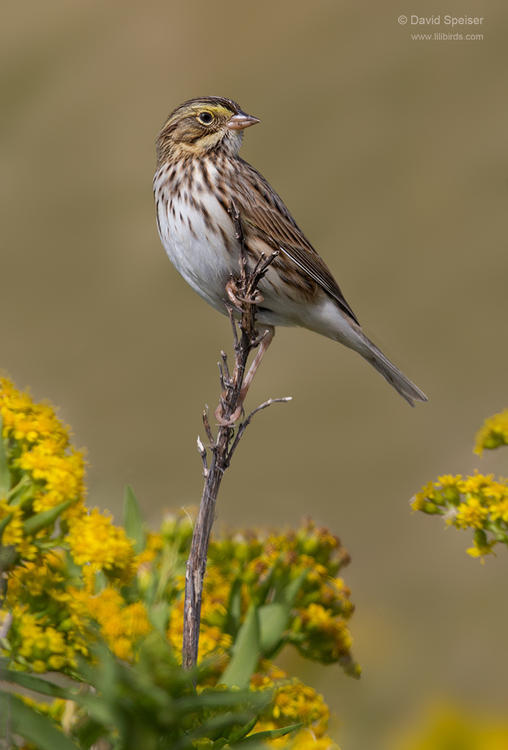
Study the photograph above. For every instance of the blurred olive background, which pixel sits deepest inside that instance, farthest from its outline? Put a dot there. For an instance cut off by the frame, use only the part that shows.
(391, 153)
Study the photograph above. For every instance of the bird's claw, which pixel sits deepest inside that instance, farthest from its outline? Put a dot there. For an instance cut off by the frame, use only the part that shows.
(222, 421)
(237, 300)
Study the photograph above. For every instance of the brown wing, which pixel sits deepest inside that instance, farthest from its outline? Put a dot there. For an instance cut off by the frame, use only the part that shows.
(264, 212)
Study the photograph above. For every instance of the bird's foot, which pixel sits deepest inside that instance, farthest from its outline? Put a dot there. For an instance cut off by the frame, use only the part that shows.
(219, 412)
(237, 300)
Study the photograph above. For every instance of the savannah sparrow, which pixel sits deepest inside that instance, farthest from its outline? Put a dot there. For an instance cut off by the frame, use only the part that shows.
(199, 177)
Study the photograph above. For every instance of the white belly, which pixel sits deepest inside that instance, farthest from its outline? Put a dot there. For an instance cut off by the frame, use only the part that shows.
(199, 252)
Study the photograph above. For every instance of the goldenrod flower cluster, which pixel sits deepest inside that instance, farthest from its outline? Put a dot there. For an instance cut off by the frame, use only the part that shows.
(48, 630)
(478, 502)
(96, 542)
(72, 576)
(269, 566)
(294, 702)
(493, 433)
(45, 470)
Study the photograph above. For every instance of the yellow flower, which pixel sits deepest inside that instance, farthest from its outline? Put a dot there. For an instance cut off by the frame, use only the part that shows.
(449, 480)
(480, 549)
(40, 644)
(54, 709)
(27, 421)
(153, 545)
(428, 499)
(499, 511)
(298, 702)
(122, 624)
(317, 618)
(493, 433)
(105, 605)
(428, 491)
(212, 641)
(476, 483)
(49, 620)
(471, 514)
(93, 539)
(56, 663)
(418, 501)
(122, 647)
(13, 532)
(44, 577)
(45, 469)
(61, 474)
(334, 593)
(135, 619)
(294, 702)
(269, 675)
(304, 739)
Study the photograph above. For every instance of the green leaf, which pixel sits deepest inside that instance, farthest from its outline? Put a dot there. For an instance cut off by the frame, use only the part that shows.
(36, 727)
(158, 615)
(22, 492)
(273, 620)
(133, 520)
(45, 518)
(101, 710)
(234, 608)
(246, 652)
(216, 699)
(5, 475)
(8, 558)
(37, 684)
(290, 592)
(216, 727)
(242, 732)
(100, 581)
(274, 617)
(88, 732)
(270, 734)
(73, 569)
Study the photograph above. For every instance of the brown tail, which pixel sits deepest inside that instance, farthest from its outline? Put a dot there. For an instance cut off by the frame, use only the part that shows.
(392, 374)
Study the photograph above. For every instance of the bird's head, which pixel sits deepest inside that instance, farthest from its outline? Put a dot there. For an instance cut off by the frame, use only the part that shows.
(200, 125)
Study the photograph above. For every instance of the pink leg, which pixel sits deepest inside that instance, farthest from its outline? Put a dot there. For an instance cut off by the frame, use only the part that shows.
(265, 342)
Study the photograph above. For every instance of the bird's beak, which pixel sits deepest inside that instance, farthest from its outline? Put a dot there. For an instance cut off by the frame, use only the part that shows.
(241, 121)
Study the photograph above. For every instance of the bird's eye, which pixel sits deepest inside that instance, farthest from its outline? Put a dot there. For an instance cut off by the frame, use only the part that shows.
(205, 117)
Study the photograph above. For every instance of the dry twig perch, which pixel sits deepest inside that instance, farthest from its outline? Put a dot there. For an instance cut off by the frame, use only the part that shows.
(243, 295)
